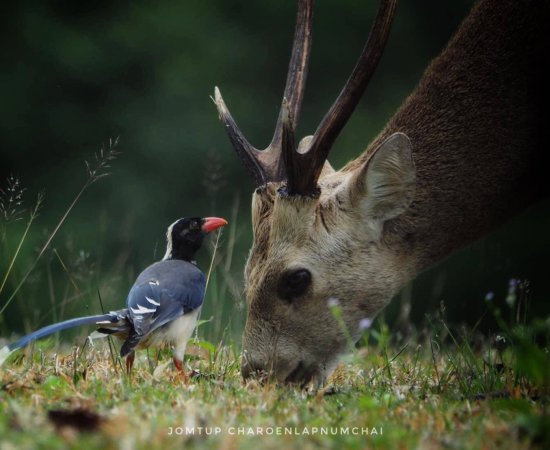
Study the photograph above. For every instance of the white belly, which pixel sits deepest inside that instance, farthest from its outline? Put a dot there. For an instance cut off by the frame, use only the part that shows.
(176, 333)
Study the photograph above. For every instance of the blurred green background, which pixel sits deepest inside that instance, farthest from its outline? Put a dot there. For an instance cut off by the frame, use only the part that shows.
(75, 74)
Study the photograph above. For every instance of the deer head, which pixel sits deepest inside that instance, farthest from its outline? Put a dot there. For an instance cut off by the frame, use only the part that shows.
(319, 234)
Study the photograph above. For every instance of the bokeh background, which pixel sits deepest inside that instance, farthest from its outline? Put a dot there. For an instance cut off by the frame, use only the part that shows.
(76, 74)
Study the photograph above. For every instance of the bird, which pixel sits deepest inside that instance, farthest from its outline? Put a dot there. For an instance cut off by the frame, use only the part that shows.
(163, 305)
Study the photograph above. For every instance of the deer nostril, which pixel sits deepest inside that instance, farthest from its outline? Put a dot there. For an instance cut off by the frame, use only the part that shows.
(251, 368)
(246, 370)
(284, 370)
(302, 374)
(296, 373)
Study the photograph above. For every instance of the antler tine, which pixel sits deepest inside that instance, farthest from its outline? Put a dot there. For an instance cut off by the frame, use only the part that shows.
(288, 143)
(267, 165)
(249, 155)
(313, 160)
(297, 71)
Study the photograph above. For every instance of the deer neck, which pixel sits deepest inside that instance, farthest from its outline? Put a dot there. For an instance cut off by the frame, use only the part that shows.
(476, 124)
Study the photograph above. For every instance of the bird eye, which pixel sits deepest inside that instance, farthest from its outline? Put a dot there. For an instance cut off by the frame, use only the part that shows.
(294, 283)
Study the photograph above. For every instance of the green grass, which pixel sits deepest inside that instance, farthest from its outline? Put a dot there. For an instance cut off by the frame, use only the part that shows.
(436, 394)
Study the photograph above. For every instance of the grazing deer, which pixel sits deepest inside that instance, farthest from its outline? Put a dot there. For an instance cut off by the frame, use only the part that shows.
(461, 155)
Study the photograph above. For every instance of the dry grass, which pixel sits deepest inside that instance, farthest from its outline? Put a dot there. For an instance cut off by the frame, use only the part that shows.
(416, 400)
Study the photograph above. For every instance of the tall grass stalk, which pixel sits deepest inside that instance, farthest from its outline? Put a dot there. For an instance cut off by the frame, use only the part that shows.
(214, 251)
(95, 172)
(33, 215)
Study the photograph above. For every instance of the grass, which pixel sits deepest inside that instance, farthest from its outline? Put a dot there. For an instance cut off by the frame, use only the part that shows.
(382, 396)
(11, 200)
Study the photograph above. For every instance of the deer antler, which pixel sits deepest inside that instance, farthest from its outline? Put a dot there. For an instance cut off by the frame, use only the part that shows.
(267, 165)
(307, 166)
(280, 159)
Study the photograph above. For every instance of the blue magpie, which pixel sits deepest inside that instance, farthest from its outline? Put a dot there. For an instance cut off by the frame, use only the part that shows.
(163, 304)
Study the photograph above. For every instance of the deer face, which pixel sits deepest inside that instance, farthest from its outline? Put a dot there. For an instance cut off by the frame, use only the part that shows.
(319, 235)
(314, 255)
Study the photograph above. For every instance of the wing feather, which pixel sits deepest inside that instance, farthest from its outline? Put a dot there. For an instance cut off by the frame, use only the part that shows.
(162, 293)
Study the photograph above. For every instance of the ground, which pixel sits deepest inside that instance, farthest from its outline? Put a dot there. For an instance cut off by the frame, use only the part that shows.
(416, 395)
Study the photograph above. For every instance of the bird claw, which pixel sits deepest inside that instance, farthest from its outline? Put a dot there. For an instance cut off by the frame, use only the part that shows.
(130, 362)
(181, 370)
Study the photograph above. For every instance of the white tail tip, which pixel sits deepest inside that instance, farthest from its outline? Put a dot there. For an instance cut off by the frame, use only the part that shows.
(5, 352)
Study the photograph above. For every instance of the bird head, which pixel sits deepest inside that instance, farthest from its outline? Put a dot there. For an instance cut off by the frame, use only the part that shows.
(185, 236)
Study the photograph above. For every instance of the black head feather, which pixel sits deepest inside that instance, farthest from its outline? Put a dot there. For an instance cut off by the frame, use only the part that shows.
(185, 237)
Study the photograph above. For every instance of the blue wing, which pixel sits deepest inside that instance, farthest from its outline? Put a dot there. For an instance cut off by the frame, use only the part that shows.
(162, 293)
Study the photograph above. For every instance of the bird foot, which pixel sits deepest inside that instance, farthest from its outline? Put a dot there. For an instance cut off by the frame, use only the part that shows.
(181, 370)
(130, 362)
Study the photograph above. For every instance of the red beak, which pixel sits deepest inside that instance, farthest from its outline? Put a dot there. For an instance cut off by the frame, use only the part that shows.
(212, 223)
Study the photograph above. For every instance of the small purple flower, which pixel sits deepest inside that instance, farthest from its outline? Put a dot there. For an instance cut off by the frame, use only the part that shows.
(513, 284)
(365, 324)
(489, 296)
(333, 302)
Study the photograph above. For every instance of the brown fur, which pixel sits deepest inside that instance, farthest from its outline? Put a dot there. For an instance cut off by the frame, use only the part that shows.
(477, 126)
(477, 122)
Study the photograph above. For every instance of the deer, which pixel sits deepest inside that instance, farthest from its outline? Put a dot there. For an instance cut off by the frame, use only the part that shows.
(465, 152)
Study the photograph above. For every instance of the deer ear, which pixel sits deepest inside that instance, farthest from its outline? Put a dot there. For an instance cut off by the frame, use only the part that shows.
(384, 186)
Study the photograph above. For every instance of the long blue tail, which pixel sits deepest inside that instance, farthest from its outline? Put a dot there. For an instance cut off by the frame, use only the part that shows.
(111, 319)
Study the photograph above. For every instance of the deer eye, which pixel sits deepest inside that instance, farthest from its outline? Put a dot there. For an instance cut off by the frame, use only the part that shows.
(294, 283)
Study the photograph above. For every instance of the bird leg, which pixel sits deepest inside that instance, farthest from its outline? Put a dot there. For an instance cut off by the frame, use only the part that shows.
(179, 365)
(130, 362)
